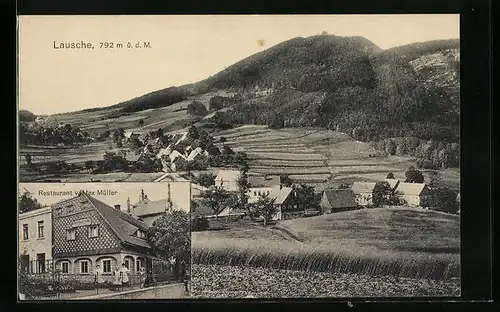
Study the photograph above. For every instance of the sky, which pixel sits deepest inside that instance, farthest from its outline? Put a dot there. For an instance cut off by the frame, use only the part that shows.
(184, 49)
(154, 191)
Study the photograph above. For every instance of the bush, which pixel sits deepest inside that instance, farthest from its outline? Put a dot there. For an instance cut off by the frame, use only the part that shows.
(199, 223)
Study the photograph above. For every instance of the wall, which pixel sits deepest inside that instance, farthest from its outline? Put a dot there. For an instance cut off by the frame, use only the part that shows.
(34, 244)
(172, 291)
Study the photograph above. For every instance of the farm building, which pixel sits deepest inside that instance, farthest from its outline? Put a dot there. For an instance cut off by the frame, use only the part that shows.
(148, 211)
(284, 198)
(363, 192)
(227, 179)
(201, 209)
(196, 153)
(87, 232)
(174, 157)
(393, 183)
(334, 200)
(35, 239)
(414, 194)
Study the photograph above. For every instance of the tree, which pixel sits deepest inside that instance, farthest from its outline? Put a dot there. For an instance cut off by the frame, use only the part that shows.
(170, 236)
(206, 179)
(243, 187)
(390, 175)
(118, 136)
(305, 196)
(381, 194)
(433, 178)
(265, 208)
(217, 199)
(141, 122)
(445, 200)
(414, 176)
(196, 108)
(27, 203)
(285, 180)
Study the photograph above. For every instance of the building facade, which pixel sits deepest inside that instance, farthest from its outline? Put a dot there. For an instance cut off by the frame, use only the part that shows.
(88, 232)
(35, 240)
(227, 179)
(363, 192)
(414, 194)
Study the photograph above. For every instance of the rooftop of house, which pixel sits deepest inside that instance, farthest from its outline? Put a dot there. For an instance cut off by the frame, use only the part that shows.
(227, 175)
(262, 181)
(340, 198)
(412, 189)
(279, 194)
(121, 223)
(363, 187)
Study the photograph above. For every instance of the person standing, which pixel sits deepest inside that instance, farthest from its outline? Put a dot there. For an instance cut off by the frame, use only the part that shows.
(173, 266)
(142, 275)
(98, 275)
(117, 282)
(124, 273)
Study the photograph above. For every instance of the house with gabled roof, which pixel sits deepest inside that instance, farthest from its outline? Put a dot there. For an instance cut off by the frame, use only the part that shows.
(335, 200)
(87, 232)
(227, 179)
(363, 192)
(284, 198)
(414, 194)
(147, 211)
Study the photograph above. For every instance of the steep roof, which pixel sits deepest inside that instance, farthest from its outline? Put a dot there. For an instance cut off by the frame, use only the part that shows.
(173, 156)
(363, 187)
(197, 151)
(121, 223)
(412, 189)
(279, 195)
(340, 198)
(148, 207)
(393, 183)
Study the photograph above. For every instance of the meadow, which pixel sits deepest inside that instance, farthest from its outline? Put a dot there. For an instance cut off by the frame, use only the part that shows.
(384, 243)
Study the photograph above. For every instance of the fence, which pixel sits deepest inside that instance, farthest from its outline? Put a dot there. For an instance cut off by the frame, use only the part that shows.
(39, 281)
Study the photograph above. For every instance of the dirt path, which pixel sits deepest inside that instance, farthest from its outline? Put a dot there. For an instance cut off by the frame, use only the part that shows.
(280, 231)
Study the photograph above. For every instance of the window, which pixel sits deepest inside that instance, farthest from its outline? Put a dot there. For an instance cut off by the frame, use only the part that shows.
(65, 267)
(71, 234)
(40, 261)
(93, 230)
(140, 234)
(254, 193)
(106, 266)
(40, 229)
(84, 267)
(139, 264)
(25, 231)
(127, 263)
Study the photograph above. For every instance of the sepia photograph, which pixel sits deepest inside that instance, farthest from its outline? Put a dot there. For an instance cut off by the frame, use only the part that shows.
(96, 241)
(322, 152)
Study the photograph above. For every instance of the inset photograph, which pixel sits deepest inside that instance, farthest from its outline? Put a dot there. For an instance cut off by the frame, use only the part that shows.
(104, 241)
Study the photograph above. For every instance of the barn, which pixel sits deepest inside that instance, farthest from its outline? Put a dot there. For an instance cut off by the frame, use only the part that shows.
(335, 200)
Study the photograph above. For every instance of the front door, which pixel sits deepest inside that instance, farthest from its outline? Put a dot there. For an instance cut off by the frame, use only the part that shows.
(40, 260)
(24, 262)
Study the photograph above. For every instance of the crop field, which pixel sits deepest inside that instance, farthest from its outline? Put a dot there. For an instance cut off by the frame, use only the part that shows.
(395, 245)
(231, 282)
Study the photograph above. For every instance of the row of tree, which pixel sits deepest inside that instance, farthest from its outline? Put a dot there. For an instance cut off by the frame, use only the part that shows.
(63, 134)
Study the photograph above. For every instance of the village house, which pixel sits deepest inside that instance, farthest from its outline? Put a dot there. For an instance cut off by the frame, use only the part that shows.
(35, 240)
(258, 180)
(197, 190)
(363, 192)
(335, 200)
(149, 211)
(87, 232)
(413, 194)
(130, 135)
(284, 198)
(227, 179)
(175, 156)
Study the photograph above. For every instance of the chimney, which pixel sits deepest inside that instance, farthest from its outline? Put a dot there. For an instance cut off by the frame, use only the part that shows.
(117, 206)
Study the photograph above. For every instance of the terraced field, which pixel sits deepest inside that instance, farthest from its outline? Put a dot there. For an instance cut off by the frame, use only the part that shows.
(319, 157)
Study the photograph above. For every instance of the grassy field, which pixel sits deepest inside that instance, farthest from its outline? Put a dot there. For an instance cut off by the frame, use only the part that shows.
(386, 243)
